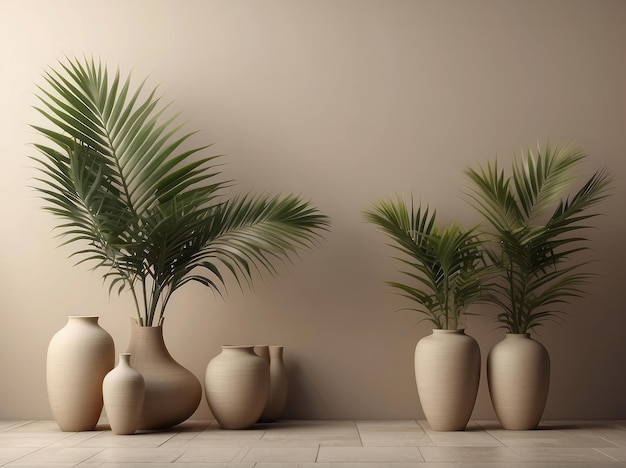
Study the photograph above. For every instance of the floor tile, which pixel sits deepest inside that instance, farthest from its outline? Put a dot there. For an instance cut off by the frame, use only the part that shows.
(9, 425)
(369, 454)
(473, 435)
(281, 455)
(474, 454)
(318, 444)
(618, 454)
(209, 455)
(139, 440)
(34, 440)
(136, 455)
(9, 454)
(297, 465)
(164, 465)
(550, 454)
(393, 434)
(46, 456)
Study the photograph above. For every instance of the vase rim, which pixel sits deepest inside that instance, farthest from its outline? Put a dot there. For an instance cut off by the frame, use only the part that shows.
(228, 346)
(518, 335)
(448, 330)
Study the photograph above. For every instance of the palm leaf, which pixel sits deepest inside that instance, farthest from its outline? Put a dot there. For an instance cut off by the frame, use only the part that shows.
(153, 214)
(534, 251)
(445, 265)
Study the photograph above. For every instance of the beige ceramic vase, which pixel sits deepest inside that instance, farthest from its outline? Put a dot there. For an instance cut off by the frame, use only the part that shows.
(172, 392)
(237, 386)
(79, 356)
(123, 391)
(447, 373)
(518, 374)
(277, 397)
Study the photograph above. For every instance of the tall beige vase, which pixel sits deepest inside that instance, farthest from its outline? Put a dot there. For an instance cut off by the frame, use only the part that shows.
(277, 397)
(447, 373)
(518, 374)
(79, 356)
(172, 392)
(237, 386)
(123, 391)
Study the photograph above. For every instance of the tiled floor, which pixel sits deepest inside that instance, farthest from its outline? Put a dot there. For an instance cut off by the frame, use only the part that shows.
(347, 444)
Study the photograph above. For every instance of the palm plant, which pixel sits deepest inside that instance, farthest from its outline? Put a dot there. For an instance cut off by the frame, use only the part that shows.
(148, 211)
(535, 232)
(445, 266)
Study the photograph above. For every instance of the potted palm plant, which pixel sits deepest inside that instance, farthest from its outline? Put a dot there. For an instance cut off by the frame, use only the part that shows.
(444, 268)
(151, 212)
(534, 238)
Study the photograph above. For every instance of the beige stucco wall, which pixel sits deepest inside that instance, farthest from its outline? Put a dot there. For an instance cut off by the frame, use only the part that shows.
(343, 101)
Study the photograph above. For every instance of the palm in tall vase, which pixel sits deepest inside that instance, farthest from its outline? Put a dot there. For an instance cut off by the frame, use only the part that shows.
(534, 235)
(444, 269)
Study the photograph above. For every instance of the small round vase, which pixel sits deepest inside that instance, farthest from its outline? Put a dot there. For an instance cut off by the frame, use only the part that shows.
(518, 374)
(79, 356)
(277, 397)
(447, 373)
(237, 386)
(172, 392)
(123, 391)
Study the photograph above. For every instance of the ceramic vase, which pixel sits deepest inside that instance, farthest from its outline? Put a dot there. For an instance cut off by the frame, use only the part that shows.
(79, 356)
(172, 393)
(277, 397)
(447, 373)
(123, 391)
(237, 386)
(518, 375)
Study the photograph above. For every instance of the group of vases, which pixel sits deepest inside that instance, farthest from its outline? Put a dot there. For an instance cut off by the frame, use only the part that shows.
(447, 373)
(148, 389)
(244, 385)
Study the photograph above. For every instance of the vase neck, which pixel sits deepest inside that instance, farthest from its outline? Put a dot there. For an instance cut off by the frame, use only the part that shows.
(455, 331)
(82, 318)
(276, 352)
(517, 335)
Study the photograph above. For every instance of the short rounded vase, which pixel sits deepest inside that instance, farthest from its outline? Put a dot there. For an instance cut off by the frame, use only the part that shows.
(237, 386)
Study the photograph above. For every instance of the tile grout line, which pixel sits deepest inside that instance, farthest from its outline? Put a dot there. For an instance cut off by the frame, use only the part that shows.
(358, 431)
(605, 454)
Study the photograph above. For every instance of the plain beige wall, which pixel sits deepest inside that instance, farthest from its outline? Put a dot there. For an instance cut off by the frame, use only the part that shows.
(345, 102)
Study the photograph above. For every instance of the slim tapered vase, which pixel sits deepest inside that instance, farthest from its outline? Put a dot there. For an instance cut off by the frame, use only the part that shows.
(518, 374)
(447, 373)
(123, 391)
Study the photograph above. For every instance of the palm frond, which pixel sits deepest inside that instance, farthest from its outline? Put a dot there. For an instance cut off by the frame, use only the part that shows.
(533, 250)
(117, 170)
(446, 266)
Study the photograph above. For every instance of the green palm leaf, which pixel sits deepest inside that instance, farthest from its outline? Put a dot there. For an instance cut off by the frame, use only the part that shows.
(445, 266)
(534, 250)
(150, 211)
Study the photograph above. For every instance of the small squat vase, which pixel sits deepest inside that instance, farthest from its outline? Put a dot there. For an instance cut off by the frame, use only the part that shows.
(518, 374)
(237, 386)
(123, 391)
(172, 393)
(277, 397)
(79, 356)
(447, 373)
